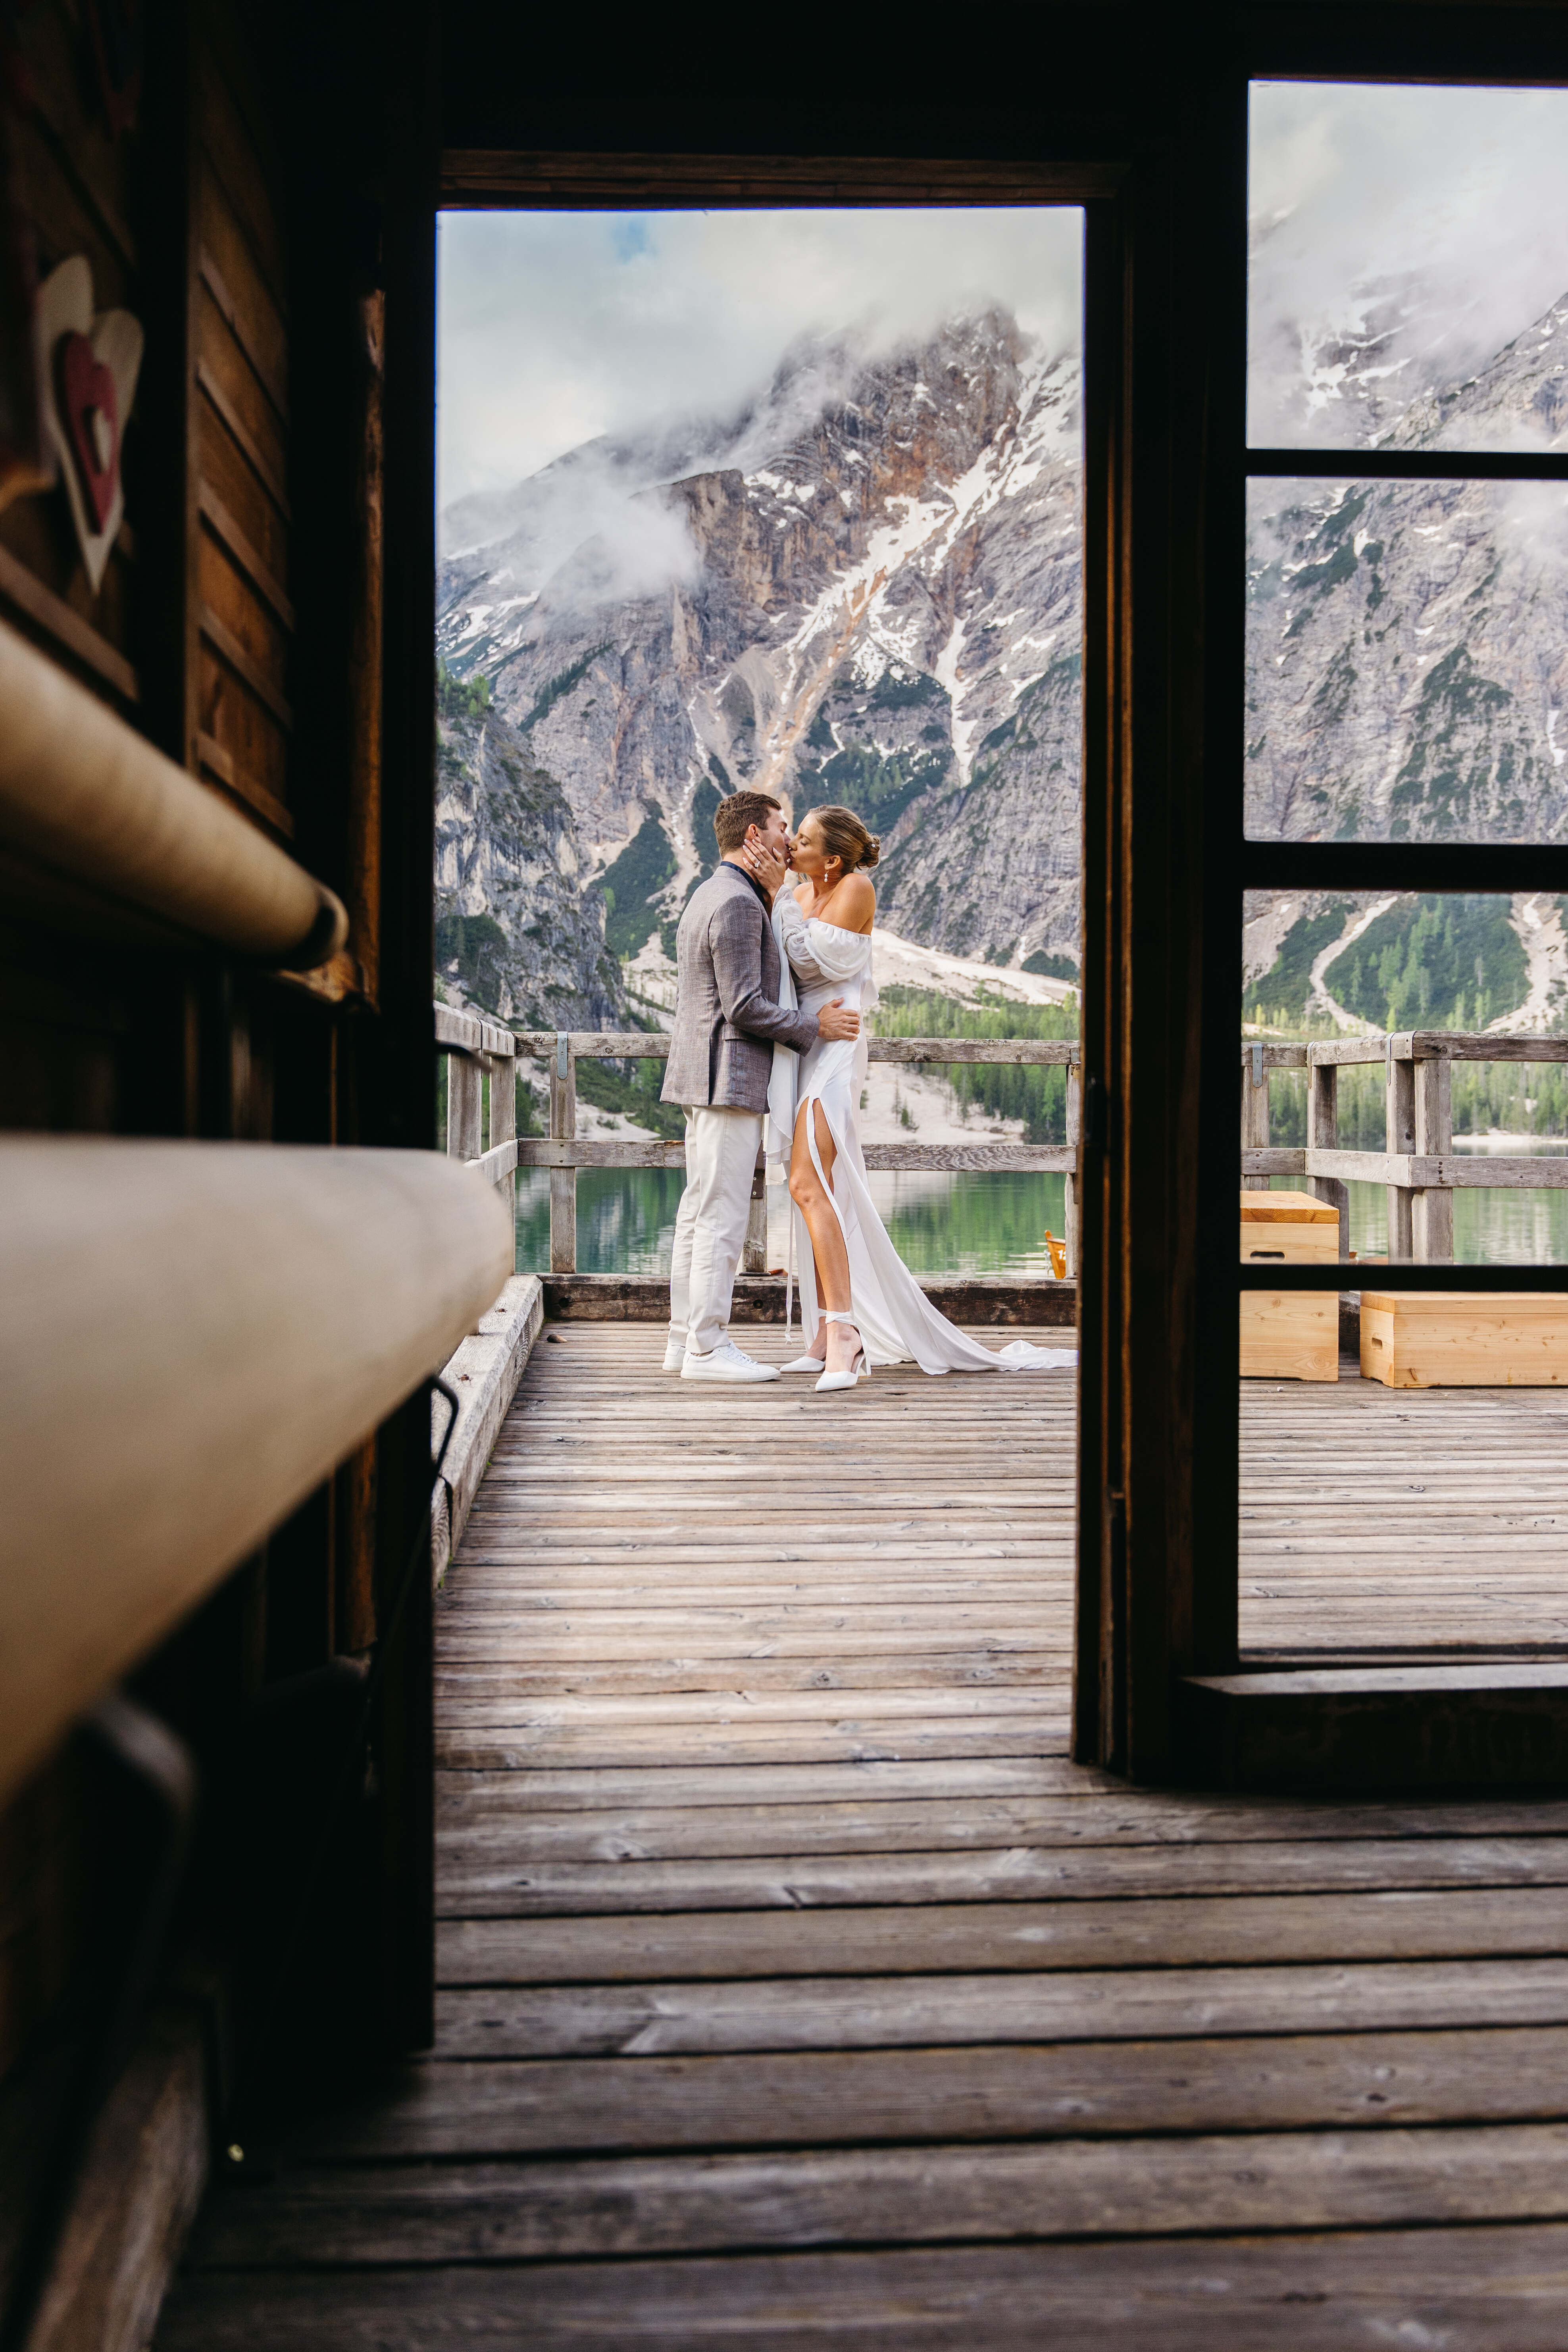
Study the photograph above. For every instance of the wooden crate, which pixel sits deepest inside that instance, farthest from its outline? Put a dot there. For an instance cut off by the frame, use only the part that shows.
(1464, 1339)
(1289, 1226)
(1290, 1335)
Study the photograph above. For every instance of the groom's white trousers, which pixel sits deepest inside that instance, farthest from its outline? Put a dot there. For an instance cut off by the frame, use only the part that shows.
(710, 1222)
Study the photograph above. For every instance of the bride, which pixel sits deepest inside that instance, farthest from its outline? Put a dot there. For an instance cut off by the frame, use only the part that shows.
(872, 1309)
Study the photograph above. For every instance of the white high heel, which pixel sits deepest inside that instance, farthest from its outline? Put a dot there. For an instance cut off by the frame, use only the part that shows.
(860, 1369)
(805, 1364)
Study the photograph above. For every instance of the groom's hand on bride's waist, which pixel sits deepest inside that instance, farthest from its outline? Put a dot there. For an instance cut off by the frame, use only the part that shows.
(835, 1023)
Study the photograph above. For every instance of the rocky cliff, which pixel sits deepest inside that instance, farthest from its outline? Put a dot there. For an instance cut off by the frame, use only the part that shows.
(867, 588)
(516, 933)
(869, 594)
(1407, 656)
(1407, 678)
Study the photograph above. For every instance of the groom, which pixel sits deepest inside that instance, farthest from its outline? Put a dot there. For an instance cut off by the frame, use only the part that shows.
(727, 1018)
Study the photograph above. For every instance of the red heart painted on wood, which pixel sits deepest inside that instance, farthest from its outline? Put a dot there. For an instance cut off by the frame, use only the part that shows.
(92, 414)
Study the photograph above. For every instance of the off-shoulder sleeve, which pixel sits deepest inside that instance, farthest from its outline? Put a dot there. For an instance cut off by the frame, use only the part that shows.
(794, 939)
(839, 955)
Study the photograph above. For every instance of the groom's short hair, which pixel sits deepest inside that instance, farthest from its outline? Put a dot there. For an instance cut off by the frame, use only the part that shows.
(733, 818)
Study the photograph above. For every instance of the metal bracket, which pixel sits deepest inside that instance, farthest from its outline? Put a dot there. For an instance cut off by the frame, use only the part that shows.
(449, 1396)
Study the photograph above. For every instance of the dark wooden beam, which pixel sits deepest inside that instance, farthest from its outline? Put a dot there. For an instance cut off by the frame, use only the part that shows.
(486, 177)
(970, 1299)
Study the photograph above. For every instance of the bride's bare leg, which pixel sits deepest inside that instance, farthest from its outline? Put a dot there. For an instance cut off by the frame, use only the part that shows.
(832, 1260)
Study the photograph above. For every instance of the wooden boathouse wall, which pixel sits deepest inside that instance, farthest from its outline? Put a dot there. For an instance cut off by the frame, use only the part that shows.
(239, 179)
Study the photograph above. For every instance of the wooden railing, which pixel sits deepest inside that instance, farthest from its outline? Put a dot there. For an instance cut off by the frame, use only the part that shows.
(1418, 1162)
(475, 1046)
(228, 1321)
(91, 799)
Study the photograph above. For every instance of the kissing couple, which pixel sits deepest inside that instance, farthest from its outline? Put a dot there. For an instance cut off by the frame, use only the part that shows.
(771, 983)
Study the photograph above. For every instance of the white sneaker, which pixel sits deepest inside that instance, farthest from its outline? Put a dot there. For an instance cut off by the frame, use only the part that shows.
(674, 1355)
(726, 1362)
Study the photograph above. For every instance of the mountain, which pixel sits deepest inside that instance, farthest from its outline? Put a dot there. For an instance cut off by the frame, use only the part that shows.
(866, 586)
(868, 591)
(1408, 679)
(1407, 643)
(514, 930)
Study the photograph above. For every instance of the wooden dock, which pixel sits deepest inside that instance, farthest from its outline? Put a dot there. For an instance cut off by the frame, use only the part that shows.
(797, 1989)
(1417, 1523)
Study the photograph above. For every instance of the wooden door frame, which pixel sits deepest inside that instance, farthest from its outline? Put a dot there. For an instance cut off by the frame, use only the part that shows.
(1099, 184)
(1163, 863)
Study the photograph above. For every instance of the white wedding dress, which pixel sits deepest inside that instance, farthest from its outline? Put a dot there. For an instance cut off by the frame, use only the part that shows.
(896, 1321)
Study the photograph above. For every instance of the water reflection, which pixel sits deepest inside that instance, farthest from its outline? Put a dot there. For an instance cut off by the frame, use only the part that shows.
(974, 1223)
(1490, 1228)
(960, 1223)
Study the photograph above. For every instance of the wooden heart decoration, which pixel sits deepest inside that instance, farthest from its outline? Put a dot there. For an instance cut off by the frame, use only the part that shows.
(88, 365)
(90, 407)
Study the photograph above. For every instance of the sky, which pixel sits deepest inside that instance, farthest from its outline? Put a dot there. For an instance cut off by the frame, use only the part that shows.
(1464, 192)
(557, 327)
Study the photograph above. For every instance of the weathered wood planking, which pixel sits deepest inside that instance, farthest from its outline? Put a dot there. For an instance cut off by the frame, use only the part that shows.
(1476, 2289)
(483, 2107)
(74, 189)
(239, 620)
(1019, 1157)
(775, 1919)
(642, 1045)
(1428, 1521)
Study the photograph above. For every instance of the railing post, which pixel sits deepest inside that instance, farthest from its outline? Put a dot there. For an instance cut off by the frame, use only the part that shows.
(1432, 1217)
(1399, 1098)
(1254, 1111)
(463, 1105)
(1073, 1202)
(1323, 1135)
(754, 1256)
(503, 1117)
(563, 1180)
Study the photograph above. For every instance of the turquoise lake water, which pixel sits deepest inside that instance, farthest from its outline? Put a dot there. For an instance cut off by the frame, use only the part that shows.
(970, 1224)
(940, 1224)
(1490, 1228)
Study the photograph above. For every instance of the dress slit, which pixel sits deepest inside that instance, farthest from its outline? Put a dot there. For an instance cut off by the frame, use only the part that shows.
(896, 1320)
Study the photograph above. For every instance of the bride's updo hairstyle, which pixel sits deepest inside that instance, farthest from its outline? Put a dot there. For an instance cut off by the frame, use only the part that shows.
(844, 836)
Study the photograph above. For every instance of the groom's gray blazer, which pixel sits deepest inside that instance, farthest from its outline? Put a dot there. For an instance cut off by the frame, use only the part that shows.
(727, 1009)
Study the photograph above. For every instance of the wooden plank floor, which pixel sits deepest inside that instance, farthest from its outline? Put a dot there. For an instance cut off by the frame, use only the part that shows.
(795, 1988)
(1429, 1521)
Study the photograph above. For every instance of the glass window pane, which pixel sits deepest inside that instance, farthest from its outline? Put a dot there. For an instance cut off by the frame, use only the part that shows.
(1406, 660)
(1409, 267)
(1404, 1470)
(1335, 964)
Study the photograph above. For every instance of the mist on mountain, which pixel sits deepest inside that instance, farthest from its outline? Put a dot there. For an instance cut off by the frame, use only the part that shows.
(1401, 238)
(867, 589)
(864, 584)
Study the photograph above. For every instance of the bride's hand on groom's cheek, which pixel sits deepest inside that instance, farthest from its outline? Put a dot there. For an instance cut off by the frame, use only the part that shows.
(764, 860)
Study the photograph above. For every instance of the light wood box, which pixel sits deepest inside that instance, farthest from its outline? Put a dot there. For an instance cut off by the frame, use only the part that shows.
(1464, 1339)
(1290, 1335)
